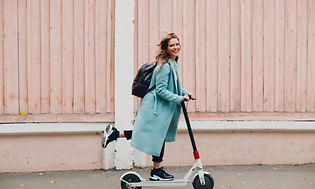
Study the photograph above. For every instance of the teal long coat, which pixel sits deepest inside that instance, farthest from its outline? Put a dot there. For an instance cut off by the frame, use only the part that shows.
(159, 111)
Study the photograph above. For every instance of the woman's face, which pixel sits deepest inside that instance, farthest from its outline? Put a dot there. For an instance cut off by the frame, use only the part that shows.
(173, 48)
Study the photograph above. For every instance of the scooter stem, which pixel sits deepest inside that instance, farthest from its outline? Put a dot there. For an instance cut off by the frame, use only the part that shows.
(191, 135)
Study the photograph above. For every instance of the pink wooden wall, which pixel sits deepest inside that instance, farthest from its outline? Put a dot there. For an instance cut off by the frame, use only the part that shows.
(238, 56)
(56, 57)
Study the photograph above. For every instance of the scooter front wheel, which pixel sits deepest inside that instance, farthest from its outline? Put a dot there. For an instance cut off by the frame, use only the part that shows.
(129, 178)
(209, 182)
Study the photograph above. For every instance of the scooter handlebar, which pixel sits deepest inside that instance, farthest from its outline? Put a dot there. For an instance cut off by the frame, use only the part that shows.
(191, 136)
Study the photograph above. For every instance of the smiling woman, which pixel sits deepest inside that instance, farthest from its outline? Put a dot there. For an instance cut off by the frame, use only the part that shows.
(169, 48)
(158, 114)
(173, 48)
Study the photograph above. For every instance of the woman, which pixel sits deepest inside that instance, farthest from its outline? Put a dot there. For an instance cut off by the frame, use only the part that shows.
(158, 114)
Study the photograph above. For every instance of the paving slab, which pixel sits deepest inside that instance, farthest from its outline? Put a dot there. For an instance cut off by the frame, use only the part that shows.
(226, 177)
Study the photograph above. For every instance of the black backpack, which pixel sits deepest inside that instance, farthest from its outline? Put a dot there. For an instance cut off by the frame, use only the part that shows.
(141, 83)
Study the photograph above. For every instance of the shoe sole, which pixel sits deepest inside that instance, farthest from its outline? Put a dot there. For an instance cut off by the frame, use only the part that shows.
(157, 178)
(108, 131)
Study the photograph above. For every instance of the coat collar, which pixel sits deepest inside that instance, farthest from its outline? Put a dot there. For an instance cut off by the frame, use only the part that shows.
(174, 68)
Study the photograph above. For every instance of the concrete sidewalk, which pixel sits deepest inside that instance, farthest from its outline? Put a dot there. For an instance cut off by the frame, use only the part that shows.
(226, 177)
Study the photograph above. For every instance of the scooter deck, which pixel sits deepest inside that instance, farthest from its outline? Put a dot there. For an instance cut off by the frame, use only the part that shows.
(176, 182)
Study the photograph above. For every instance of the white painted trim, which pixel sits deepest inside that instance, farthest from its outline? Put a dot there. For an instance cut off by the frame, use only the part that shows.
(124, 63)
(211, 126)
(51, 128)
(124, 66)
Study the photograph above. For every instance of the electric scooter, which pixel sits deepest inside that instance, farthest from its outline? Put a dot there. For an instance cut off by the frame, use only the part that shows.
(196, 175)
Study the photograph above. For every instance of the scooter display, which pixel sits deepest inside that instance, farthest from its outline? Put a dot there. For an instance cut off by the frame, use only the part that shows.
(199, 178)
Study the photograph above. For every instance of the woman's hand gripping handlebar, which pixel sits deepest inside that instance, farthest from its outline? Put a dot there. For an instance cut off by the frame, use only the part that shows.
(188, 97)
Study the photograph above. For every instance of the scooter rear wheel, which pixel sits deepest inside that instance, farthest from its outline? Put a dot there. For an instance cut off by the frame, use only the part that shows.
(129, 178)
(209, 182)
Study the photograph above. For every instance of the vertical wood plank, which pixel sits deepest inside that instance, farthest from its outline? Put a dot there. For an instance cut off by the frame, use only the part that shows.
(78, 57)
(144, 27)
(138, 40)
(200, 56)
(55, 57)
(100, 55)
(290, 56)
(246, 65)
(235, 93)
(183, 67)
(189, 73)
(178, 29)
(279, 55)
(67, 55)
(136, 45)
(23, 76)
(269, 58)
(45, 55)
(224, 46)
(301, 83)
(139, 36)
(166, 17)
(212, 55)
(177, 17)
(33, 55)
(111, 36)
(10, 56)
(154, 34)
(1, 60)
(258, 54)
(311, 57)
(89, 56)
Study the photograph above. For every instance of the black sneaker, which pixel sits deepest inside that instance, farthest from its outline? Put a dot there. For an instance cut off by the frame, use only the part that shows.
(160, 175)
(111, 134)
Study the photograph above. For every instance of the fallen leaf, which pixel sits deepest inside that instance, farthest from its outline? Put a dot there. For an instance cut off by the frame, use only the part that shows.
(23, 113)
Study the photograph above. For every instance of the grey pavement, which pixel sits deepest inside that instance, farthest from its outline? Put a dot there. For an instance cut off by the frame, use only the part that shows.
(225, 177)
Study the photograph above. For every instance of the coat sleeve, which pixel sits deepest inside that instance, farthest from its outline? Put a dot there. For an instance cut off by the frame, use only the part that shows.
(184, 92)
(162, 77)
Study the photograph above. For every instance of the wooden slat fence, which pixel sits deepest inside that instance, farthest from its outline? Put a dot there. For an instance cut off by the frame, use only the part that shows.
(56, 57)
(238, 56)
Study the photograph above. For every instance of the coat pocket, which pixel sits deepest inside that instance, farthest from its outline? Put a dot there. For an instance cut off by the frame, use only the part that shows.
(147, 103)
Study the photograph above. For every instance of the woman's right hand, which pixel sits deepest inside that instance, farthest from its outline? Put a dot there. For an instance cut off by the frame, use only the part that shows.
(185, 98)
